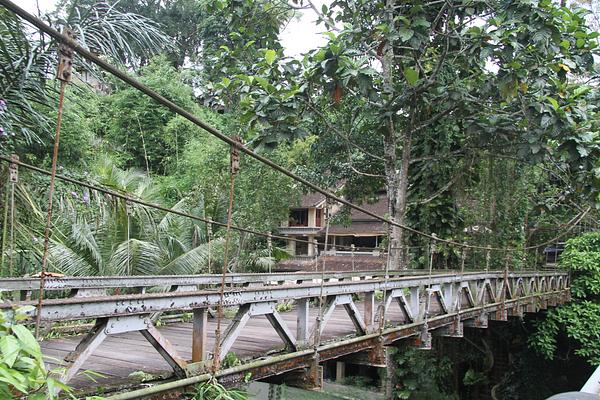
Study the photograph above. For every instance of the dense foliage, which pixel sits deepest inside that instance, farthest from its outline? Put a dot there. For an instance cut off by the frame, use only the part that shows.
(414, 97)
(578, 320)
(22, 369)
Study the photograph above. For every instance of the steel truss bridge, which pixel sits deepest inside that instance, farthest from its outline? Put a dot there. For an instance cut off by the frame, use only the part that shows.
(367, 311)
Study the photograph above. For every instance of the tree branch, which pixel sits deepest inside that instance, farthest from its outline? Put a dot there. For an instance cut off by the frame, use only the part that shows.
(443, 188)
(340, 133)
(328, 23)
(364, 173)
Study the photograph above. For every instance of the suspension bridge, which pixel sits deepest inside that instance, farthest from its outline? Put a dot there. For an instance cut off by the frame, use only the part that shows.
(342, 315)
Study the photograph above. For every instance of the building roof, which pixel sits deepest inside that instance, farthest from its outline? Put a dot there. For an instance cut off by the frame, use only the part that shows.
(315, 199)
(380, 207)
(311, 200)
(363, 224)
(360, 224)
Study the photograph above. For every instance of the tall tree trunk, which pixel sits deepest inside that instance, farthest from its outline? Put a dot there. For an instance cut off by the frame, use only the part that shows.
(397, 190)
(392, 178)
(396, 179)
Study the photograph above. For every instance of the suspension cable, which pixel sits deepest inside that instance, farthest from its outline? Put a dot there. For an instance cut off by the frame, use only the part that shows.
(65, 64)
(154, 205)
(209, 244)
(11, 259)
(4, 229)
(318, 324)
(234, 169)
(382, 309)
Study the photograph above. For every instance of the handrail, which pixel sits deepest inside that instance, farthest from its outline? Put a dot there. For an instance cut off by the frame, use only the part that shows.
(113, 282)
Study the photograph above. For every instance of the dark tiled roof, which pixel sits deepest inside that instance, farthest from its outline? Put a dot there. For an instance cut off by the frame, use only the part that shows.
(361, 223)
(311, 200)
(380, 207)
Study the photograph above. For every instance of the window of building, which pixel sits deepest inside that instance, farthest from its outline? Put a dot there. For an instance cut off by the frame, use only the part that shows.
(299, 217)
(302, 247)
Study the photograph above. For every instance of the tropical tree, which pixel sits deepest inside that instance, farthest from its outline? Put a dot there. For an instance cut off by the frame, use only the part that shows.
(28, 61)
(418, 84)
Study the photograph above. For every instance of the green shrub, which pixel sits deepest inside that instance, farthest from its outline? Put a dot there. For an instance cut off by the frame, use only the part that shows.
(578, 320)
(22, 369)
(213, 390)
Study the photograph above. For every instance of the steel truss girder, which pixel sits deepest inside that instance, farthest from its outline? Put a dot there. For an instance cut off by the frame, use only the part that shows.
(244, 313)
(85, 285)
(125, 313)
(276, 365)
(351, 309)
(410, 307)
(115, 325)
(111, 306)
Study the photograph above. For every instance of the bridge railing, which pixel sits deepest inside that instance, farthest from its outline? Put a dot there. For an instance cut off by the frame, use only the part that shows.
(443, 300)
(93, 286)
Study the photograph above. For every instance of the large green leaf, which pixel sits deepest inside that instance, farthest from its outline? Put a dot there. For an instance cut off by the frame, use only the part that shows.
(9, 346)
(411, 75)
(270, 56)
(28, 342)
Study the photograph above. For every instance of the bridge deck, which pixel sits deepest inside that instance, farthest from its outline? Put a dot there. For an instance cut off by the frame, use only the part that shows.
(122, 354)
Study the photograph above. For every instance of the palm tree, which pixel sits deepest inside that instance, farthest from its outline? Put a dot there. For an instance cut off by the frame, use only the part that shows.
(124, 238)
(27, 60)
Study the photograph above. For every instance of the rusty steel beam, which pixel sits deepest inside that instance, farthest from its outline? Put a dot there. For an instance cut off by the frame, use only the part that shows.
(110, 306)
(87, 283)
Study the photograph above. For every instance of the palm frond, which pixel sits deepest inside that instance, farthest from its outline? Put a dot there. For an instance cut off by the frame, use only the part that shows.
(124, 37)
(195, 260)
(68, 261)
(135, 257)
(22, 82)
(84, 239)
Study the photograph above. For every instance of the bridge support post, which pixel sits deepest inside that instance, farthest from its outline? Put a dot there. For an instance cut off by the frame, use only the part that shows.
(369, 311)
(373, 357)
(423, 339)
(199, 334)
(454, 330)
(530, 307)
(500, 314)
(340, 371)
(516, 311)
(310, 378)
(302, 322)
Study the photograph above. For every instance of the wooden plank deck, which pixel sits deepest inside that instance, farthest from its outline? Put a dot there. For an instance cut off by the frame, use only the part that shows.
(123, 354)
